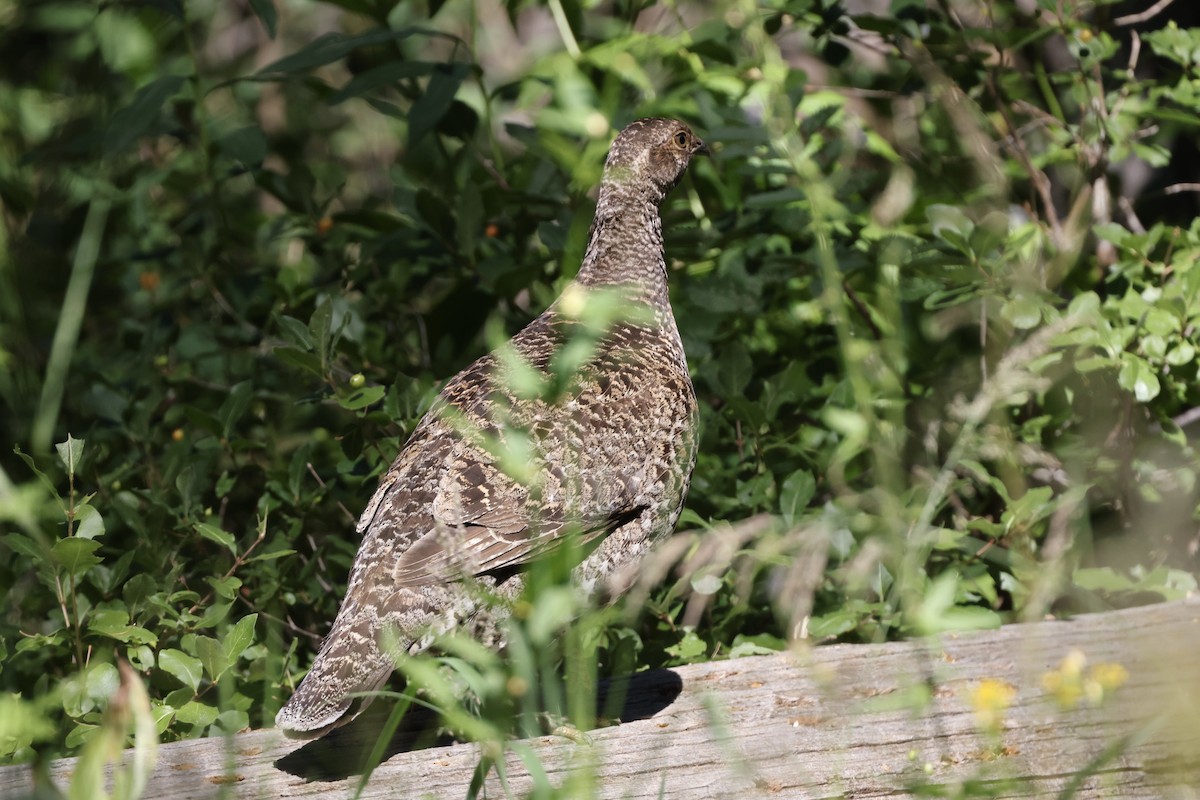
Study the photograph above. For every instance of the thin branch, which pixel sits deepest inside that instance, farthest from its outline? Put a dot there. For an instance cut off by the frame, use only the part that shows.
(1152, 11)
(287, 623)
(1041, 183)
(238, 561)
(851, 91)
(1189, 417)
(1176, 188)
(311, 471)
(1131, 217)
(863, 311)
(1135, 52)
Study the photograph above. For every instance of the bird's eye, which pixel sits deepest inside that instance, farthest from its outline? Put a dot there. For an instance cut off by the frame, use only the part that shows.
(681, 139)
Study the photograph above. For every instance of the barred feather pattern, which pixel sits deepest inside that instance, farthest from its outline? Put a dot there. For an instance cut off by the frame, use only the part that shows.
(446, 535)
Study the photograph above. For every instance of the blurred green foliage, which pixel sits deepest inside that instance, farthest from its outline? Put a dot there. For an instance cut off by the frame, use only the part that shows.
(939, 288)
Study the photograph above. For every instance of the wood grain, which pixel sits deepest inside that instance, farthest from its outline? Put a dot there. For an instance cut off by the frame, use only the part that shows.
(857, 721)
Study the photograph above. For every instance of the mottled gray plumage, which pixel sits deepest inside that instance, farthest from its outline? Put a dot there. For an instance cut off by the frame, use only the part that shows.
(610, 457)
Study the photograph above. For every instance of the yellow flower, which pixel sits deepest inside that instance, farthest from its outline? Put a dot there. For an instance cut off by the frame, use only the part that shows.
(1103, 680)
(990, 699)
(1069, 684)
(1066, 683)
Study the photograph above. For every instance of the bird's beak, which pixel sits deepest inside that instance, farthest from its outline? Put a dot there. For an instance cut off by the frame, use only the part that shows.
(701, 149)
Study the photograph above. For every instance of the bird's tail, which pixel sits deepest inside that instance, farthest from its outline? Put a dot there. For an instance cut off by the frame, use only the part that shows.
(350, 665)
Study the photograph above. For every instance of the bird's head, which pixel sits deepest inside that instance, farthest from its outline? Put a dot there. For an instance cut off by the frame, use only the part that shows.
(651, 155)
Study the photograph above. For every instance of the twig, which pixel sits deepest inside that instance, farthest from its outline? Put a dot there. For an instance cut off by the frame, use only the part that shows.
(851, 91)
(1134, 19)
(238, 561)
(1135, 52)
(1131, 217)
(1176, 188)
(287, 623)
(345, 510)
(861, 308)
(490, 169)
(1192, 415)
(321, 569)
(1041, 183)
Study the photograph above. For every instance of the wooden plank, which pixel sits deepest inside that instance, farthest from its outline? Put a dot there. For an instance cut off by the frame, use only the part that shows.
(835, 721)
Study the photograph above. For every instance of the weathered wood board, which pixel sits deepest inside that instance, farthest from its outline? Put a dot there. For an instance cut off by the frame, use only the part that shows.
(835, 721)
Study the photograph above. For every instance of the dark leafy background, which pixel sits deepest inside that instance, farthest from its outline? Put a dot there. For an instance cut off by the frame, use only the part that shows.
(938, 287)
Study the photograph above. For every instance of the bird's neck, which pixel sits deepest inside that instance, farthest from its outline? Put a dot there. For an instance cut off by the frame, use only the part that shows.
(625, 251)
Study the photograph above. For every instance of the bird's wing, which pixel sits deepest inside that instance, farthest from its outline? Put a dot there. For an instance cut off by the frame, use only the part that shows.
(482, 520)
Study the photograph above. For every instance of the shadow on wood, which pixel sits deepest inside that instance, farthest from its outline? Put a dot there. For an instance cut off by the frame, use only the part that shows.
(345, 752)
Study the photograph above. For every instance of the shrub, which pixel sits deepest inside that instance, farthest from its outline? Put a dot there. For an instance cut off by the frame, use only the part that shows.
(938, 287)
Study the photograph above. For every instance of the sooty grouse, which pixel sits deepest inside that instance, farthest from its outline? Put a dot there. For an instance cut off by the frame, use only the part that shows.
(610, 457)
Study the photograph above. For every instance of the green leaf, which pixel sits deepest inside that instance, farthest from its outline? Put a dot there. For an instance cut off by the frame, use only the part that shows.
(196, 713)
(265, 11)
(834, 624)
(75, 556)
(226, 588)
(320, 326)
(749, 648)
(108, 621)
(40, 641)
(21, 543)
(706, 584)
(29, 462)
(215, 614)
(1023, 312)
(690, 649)
(795, 492)
(439, 95)
(182, 666)
(951, 225)
(88, 522)
(135, 120)
(1084, 303)
(361, 398)
(239, 637)
(330, 48)
(114, 623)
(232, 721)
(270, 556)
(296, 331)
(938, 612)
(212, 656)
(382, 75)
(299, 358)
(248, 145)
(102, 682)
(1138, 376)
(80, 735)
(234, 406)
(1102, 579)
(71, 452)
(224, 483)
(1182, 353)
(215, 534)
(734, 369)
